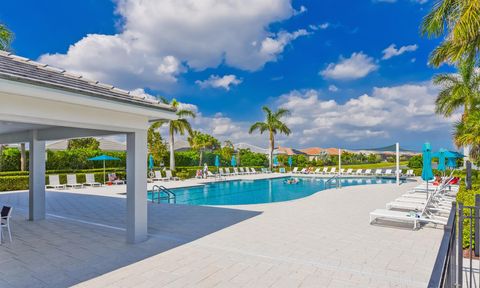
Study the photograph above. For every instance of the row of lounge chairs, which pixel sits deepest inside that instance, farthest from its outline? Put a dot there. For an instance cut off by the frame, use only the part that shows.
(168, 176)
(240, 171)
(333, 170)
(421, 205)
(54, 181)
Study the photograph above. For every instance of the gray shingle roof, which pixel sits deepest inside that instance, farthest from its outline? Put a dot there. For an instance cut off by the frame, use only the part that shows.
(22, 69)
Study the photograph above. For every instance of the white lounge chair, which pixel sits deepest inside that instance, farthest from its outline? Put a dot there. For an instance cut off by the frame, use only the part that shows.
(367, 172)
(54, 182)
(282, 170)
(349, 171)
(342, 171)
(5, 216)
(295, 170)
(359, 172)
(112, 178)
(169, 175)
(325, 170)
(235, 171)
(159, 177)
(90, 180)
(254, 171)
(410, 173)
(388, 172)
(303, 171)
(317, 171)
(333, 170)
(378, 172)
(72, 181)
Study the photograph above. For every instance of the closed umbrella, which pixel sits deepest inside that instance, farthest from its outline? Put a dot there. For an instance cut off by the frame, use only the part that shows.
(290, 161)
(150, 162)
(217, 161)
(104, 158)
(427, 173)
(234, 161)
(275, 161)
(441, 160)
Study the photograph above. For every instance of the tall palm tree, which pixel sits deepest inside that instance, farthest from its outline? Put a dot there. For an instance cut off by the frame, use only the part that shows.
(460, 21)
(179, 126)
(467, 133)
(273, 124)
(6, 37)
(461, 90)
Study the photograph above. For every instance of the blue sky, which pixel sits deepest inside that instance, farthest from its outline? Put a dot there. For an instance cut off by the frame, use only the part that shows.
(324, 60)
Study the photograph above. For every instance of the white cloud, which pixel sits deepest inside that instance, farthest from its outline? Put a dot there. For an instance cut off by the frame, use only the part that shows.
(160, 39)
(302, 10)
(392, 51)
(333, 88)
(388, 114)
(216, 81)
(357, 66)
(322, 26)
(272, 46)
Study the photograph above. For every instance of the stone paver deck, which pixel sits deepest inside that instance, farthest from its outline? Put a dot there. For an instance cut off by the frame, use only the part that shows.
(323, 240)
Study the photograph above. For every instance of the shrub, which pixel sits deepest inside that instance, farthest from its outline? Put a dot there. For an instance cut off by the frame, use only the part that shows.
(415, 162)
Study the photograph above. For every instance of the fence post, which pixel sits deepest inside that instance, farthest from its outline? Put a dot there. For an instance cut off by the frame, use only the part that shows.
(460, 246)
(477, 225)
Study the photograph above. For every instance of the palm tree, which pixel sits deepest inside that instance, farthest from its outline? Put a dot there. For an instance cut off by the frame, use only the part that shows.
(179, 126)
(201, 142)
(460, 21)
(467, 133)
(460, 90)
(6, 37)
(273, 125)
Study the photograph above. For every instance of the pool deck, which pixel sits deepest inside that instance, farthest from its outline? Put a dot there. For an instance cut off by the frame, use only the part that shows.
(323, 240)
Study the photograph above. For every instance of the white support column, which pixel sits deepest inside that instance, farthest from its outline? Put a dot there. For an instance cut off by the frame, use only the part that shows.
(397, 172)
(136, 186)
(36, 195)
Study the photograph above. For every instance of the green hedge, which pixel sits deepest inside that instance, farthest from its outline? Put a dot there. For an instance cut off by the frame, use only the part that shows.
(12, 183)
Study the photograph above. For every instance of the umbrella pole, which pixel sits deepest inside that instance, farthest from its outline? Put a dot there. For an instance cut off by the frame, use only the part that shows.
(104, 172)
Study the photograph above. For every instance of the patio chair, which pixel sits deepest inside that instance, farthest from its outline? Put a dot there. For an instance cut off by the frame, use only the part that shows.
(342, 171)
(349, 171)
(410, 173)
(359, 172)
(54, 182)
(235, 171)
(325, 170)
(303, 171)
(282, 170)
(90, 181)
(198, 174)
(333, 171)
(72, 181)
(295, 170)
(388, 172)
(242, 171)
(159, 177)
(5, 215)
(317, 171)
(254, 171)
(368, 172)
(113, 178)
(378, 172)
(169, 175)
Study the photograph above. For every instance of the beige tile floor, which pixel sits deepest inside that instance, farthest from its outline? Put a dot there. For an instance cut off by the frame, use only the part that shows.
(323, 240)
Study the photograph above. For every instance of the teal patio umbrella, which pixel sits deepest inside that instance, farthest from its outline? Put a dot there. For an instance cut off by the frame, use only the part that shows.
(217, 161)
(150, 162)
(290, 162)
(441, 160)
(275, 161)
(233, 162)
(104, 158)
(427, 173)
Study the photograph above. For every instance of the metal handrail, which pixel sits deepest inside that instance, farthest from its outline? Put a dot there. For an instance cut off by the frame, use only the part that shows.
(162, 189)
(329, 180)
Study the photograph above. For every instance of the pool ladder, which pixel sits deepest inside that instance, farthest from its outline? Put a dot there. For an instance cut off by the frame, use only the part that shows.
(328, 183)
(160, 190)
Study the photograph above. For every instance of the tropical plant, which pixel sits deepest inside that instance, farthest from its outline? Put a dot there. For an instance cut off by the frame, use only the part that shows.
(467, 133)
(459, 21)
(6, 37)
(273, 124)
(83, 143)
(200, 142)
(156, 146)
(458, 91)
(178, 126)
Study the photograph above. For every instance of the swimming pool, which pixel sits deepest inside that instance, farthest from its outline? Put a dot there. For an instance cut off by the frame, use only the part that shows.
(238, 192)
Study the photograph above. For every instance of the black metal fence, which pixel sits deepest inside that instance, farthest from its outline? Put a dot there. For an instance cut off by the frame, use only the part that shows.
(451, 268)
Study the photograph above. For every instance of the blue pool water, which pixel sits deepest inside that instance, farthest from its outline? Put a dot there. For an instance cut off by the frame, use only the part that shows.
(260, 191)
